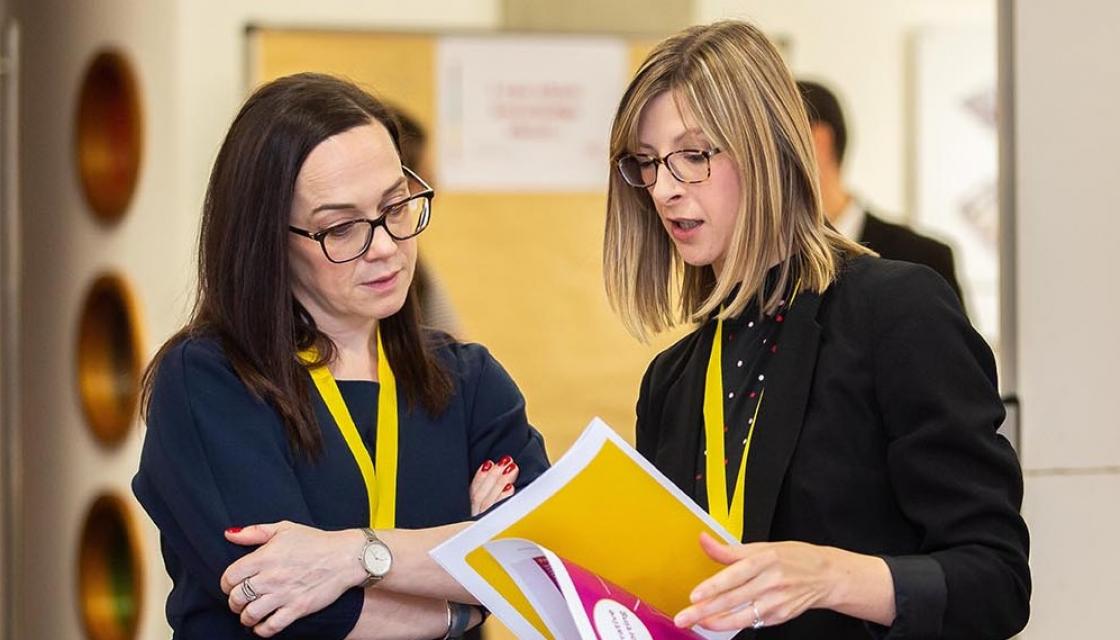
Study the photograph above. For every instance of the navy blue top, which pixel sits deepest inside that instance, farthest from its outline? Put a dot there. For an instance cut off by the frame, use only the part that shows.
(216, 457)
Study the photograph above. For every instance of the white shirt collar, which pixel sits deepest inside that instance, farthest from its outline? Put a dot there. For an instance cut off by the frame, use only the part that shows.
(851, 220)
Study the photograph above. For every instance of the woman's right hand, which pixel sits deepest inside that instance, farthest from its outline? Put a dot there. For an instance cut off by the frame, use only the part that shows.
(492, 483)
(296, 570)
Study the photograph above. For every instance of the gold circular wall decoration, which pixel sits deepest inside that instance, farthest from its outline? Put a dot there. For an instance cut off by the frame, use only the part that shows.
(110, 358)
(110, 571)
(109, 135)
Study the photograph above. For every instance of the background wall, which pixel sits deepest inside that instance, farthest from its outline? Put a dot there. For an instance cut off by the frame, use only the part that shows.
(1066, 83)
(63, 249)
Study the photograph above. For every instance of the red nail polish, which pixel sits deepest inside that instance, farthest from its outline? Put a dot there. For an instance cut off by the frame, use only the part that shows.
(509, 487)
(508, 470)
(504, 461)
(233, 530)
(486, 466)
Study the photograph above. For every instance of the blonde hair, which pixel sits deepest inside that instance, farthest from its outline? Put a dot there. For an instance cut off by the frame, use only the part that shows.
(733, 82)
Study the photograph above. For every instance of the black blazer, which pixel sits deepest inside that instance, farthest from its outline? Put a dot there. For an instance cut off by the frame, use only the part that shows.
(896, 242)
(884, 443)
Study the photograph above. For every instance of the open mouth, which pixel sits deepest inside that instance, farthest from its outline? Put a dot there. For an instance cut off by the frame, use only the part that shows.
(685, 224)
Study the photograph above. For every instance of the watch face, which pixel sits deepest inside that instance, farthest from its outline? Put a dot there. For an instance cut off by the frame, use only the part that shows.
(377, 559)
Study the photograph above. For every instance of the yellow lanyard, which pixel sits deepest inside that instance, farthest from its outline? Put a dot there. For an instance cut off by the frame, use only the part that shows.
(382, 495)
(731, 517)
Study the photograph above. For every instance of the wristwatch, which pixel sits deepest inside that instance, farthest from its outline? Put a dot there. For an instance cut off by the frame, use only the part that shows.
(376, 558)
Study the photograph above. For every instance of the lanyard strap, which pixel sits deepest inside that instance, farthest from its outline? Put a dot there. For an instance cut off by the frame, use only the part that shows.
(382, 495)
(731, 517)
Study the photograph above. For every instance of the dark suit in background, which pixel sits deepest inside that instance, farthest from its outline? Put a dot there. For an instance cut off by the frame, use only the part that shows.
(892, 241)
(896, 242)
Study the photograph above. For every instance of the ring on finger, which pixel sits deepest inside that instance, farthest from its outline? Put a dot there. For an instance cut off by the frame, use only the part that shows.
(248, 591)
(758, 622)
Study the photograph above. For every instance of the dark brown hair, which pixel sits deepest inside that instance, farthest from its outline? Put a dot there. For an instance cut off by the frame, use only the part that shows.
(822, 106)
(244, 297)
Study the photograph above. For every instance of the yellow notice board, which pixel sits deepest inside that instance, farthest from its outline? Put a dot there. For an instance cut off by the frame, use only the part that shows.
(522, 269)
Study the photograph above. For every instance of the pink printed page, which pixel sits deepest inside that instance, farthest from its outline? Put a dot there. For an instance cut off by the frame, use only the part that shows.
(614, 613)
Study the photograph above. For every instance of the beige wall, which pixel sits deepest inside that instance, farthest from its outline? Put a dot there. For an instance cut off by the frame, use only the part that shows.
(1066, 82)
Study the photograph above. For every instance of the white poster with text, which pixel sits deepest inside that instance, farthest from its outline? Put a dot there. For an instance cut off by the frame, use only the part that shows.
(527, 114)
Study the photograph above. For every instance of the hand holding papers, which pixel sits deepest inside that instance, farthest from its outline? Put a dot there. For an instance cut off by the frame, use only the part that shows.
(602, 547)
(576, 603)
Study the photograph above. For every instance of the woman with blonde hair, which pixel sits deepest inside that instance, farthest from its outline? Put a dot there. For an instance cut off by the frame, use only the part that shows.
(833, 410)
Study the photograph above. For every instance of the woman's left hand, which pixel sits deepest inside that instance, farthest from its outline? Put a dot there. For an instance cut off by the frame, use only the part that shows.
(492, 483)
(298, 572)
(764, 584)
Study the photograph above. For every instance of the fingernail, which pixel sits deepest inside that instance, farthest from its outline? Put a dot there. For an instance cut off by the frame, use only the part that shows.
(508, 487)
(680, 620)
(508, 470)
(504, 461)
(233, 530)
(487, 465)
(696, 596)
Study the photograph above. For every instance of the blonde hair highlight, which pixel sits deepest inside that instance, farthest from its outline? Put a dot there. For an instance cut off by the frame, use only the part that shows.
(731, 79)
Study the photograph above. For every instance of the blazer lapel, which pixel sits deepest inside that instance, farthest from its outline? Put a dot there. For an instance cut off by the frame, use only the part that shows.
(683, 418)
(789, 379)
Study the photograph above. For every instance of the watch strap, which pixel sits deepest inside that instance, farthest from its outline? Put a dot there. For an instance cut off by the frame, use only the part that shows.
(371, 538)
(459, 619)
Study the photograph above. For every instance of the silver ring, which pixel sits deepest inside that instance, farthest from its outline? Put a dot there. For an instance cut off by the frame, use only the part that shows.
(758, 623)
(249, 592)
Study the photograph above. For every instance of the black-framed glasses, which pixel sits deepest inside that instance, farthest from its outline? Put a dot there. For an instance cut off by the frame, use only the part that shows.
(686, 165)
(402, 220)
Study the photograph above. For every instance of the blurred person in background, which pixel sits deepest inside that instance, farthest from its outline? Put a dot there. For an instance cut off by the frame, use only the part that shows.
(436, 310)
(849, 214)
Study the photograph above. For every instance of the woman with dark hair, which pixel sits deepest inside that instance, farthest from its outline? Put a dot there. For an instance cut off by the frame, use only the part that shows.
(833, 410)
(303, 409)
